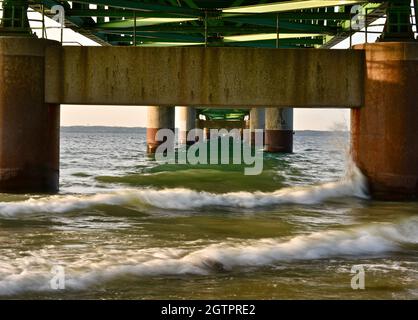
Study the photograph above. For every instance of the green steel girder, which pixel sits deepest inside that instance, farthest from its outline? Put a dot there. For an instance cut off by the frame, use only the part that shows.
(163, 35)
(287, 25)
(237, 3)
(140, 5)
(125, 13)
(223, 114)
(191, 4)
(282, 42)
(141, 23)
(248, 29)
(290, 16)
(168, 10)
(263, 25)
(142, 38)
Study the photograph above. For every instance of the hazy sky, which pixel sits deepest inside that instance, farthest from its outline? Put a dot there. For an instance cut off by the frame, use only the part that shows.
(135, 116)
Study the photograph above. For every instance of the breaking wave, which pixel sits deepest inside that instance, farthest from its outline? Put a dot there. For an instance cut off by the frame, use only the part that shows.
(32, 273)
(352, 185)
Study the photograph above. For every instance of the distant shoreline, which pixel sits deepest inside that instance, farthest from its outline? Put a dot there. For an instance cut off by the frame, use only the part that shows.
(130, 129)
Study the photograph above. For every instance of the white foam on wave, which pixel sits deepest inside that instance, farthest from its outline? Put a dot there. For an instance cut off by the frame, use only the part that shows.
(353, 184)
(95, 268)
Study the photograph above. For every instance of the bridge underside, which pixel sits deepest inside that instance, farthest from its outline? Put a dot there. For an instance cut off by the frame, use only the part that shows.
(211, 77)
(204, 23)
(246, 23)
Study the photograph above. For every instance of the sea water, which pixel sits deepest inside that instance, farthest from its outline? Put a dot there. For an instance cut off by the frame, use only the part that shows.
(126, 227)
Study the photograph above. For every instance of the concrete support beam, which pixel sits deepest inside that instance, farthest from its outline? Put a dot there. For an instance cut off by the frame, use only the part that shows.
(207, 125)
(279, 130)
(187, 122)
(29, 127)
(212, 77)
(158, 118)
(221, 124)
(384, 132)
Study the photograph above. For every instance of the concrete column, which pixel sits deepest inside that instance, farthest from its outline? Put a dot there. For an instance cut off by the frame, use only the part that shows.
(279, 130)
(29, 128)
(158, 118)
(187, 122)
(257, 121)
(384, 133)
(206, 133)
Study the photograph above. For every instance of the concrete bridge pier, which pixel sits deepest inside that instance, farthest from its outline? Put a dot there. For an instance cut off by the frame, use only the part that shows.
(159, 117)
(279, 130)
(256, 121)
(187, 122)
(29, 127)
(384, 131)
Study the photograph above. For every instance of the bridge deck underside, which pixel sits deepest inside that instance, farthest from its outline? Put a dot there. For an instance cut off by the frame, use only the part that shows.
(264, 24)
(247, 23)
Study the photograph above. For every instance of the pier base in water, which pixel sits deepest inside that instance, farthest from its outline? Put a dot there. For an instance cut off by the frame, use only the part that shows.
(279, 130)
(159, 117)
(384, 132)
(29, 127)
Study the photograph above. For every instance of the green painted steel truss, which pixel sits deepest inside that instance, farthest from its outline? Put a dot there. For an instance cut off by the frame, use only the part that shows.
(249, 23)
(223, 114)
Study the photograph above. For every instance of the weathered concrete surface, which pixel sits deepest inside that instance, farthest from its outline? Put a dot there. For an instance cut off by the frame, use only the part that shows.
(279, 130)
(187, 122)
(256, 122)
(158, 118)
(29, 127)
(257, 118)
(385, 131)
(207, 125)
(216, 77)
(222, 124)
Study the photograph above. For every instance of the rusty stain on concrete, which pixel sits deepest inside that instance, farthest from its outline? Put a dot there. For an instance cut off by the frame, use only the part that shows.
(235, 77)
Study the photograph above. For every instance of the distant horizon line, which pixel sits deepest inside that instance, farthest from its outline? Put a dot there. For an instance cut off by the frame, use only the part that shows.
(128, 127)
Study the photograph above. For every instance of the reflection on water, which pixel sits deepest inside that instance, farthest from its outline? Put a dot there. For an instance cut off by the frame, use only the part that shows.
(125, 227)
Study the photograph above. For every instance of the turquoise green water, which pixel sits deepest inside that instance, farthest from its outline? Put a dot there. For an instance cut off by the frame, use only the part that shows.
(124, 226)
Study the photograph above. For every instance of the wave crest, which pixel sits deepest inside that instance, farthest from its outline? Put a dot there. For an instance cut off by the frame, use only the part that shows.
(352, 185)
(87, 271)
